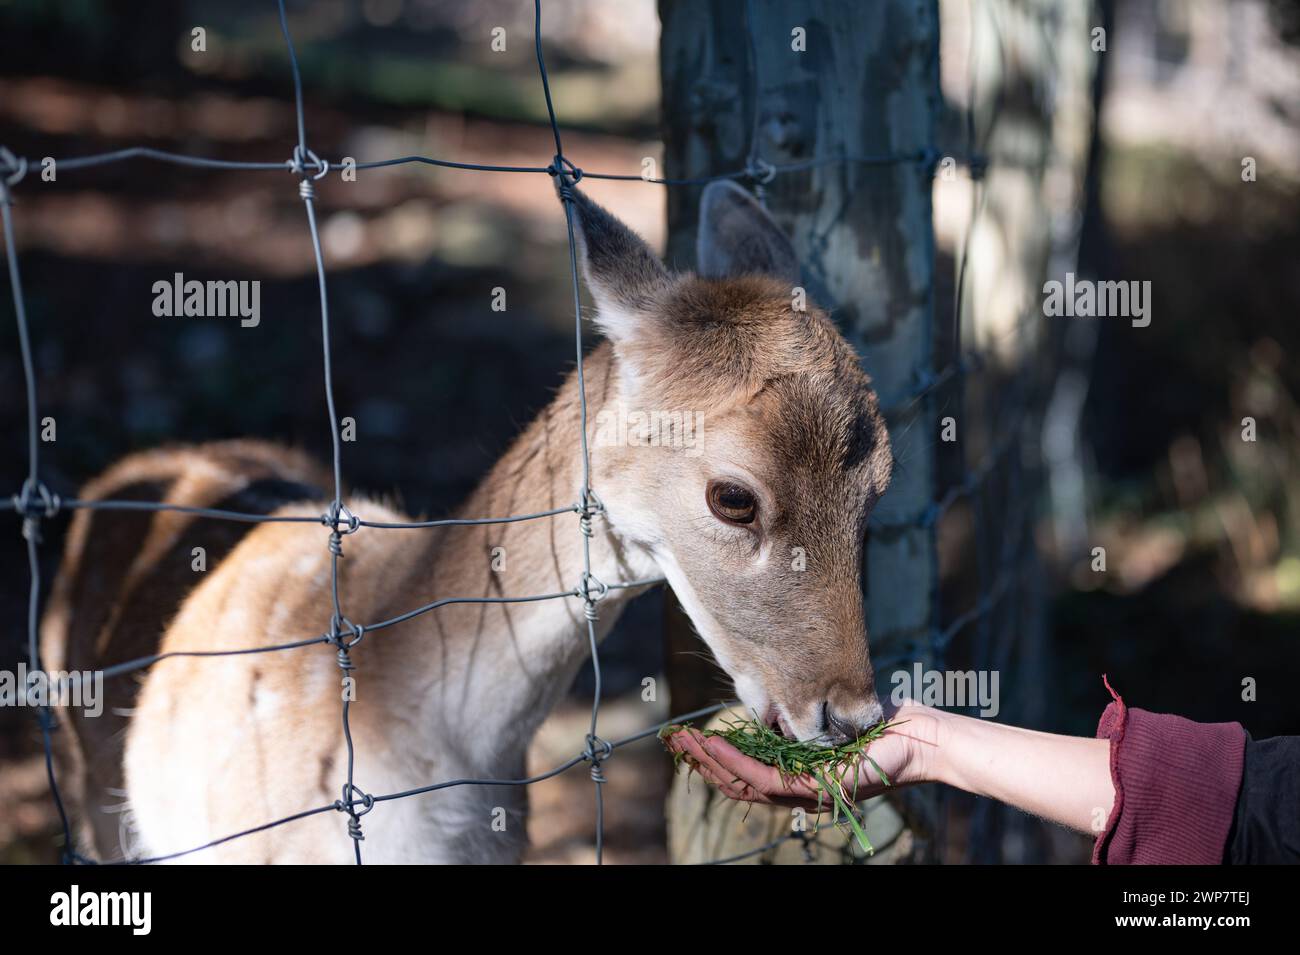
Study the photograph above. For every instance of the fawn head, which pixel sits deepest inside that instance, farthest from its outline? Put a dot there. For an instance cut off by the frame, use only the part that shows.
(742, 445)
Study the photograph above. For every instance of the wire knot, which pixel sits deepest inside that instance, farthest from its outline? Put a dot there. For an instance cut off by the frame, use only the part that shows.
(302, 161)
(598, 750)
(345, 635)
(351, 797)
(566, 176)
(592, 590)
(12, 168)
(34, 502)
(760, 170)
(591, 508)
(341, 522)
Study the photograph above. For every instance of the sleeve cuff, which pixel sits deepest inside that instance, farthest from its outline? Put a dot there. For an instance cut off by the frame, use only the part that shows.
(1176, 785)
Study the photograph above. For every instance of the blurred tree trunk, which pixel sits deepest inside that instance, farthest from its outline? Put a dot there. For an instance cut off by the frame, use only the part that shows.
(1024, 82)
(865, 84)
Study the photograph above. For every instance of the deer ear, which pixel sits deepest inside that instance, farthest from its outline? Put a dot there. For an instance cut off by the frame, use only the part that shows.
(626, 278)
(738, 237)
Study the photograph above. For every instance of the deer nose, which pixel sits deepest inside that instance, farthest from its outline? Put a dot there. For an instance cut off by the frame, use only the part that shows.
(841, 729)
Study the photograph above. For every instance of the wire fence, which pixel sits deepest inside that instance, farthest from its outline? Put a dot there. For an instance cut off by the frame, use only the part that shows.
(35, 503)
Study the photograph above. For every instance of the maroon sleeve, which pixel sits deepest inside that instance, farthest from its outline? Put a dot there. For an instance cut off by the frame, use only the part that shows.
(1176, 786)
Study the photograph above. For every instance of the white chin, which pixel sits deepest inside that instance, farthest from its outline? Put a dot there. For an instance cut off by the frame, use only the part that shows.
(751, 694)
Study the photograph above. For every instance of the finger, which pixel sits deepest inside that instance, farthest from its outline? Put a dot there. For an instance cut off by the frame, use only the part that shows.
(688, 748)
(802, 791)
(743, 792)
(742, 778)
(694, 746)
(684, 741)
(767, 779)
(729, 784)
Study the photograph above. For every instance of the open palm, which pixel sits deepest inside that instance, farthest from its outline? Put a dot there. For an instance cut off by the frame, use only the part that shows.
(898, 754)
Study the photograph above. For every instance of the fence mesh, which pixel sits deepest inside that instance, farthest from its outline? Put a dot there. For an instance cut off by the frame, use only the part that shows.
(35, 502)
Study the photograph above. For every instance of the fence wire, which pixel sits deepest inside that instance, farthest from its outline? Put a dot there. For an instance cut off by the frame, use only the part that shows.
(35, 503)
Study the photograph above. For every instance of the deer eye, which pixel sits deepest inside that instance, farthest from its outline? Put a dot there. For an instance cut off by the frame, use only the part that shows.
(732, 503)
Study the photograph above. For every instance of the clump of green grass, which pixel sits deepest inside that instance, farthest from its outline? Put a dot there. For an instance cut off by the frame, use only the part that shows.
(831, 767)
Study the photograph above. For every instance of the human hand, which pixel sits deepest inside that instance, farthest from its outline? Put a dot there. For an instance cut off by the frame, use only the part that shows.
(903, 754)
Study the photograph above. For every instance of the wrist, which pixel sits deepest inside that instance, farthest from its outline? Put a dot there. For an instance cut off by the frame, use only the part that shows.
(956, 737)
(925, 730)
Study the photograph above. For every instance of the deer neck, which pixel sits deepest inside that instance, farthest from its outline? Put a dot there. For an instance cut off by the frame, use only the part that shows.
(494, 671)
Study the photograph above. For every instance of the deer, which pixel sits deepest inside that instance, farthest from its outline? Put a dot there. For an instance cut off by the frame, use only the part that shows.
(793, 456)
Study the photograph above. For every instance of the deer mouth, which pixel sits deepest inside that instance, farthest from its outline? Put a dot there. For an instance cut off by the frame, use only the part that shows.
(776, 722)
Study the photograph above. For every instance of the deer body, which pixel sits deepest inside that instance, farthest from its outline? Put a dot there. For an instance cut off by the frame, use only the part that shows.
(195, 749)
(455, 693)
